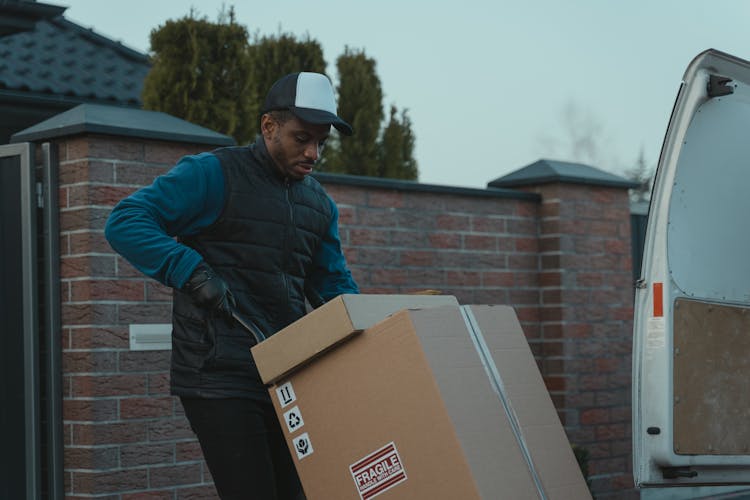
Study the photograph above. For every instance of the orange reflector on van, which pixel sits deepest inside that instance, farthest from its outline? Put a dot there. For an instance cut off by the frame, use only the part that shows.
(658, 300)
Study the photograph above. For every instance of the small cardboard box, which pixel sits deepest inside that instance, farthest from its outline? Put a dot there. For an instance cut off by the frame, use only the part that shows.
(438, 403)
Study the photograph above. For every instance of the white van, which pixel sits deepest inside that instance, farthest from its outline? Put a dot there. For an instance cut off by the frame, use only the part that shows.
(691, 350)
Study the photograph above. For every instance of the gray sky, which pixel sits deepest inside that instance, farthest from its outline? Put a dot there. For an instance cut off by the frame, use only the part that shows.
(493, 85)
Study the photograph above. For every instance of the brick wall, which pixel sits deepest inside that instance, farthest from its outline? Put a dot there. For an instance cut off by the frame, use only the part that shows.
(558, 253)
(125, 436)
(480, 247)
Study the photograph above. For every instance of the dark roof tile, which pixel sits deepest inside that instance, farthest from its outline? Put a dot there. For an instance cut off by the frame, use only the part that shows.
(59, 57)
(21, 15)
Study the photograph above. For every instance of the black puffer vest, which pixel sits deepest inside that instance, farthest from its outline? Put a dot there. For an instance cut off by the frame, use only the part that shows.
(262, 245)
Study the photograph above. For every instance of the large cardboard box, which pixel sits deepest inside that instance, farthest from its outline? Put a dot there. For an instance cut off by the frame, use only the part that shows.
(433, 403)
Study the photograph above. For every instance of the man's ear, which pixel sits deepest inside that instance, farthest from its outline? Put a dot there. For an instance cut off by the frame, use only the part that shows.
(267, 126)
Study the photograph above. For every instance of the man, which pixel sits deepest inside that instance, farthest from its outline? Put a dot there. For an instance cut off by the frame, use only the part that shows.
(256, 237)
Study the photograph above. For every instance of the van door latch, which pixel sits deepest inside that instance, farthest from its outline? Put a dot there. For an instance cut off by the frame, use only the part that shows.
(718, 86)
(675, 472)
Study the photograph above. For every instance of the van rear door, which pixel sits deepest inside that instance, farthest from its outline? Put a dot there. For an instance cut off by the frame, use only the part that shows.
(691, 351)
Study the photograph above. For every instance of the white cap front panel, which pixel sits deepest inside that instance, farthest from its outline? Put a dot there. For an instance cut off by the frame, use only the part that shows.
(315, 91)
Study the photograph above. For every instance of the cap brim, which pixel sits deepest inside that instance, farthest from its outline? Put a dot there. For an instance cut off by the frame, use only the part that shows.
(319, 117)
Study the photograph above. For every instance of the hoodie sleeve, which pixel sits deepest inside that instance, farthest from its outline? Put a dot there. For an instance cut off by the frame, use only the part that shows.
(143, 226)
(331, 276)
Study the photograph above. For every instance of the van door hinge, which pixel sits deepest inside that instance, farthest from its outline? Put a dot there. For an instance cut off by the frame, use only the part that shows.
(675, 472)
(39, 195)
(718, 86)
(640, 283)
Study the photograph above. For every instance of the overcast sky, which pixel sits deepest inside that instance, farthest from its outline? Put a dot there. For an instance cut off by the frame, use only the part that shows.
(493, 85)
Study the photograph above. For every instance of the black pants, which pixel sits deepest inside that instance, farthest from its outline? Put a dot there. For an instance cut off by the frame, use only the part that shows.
(244, 448)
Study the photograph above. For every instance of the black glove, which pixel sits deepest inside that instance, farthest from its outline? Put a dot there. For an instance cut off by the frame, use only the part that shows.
(208, 290)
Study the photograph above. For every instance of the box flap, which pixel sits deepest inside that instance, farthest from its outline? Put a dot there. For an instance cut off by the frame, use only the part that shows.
(330, 324)
(366, 310)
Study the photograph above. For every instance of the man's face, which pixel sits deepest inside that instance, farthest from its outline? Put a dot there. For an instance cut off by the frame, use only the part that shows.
(294, 145)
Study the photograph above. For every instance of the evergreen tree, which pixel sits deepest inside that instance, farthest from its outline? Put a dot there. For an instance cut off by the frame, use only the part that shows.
(209, 74)
(644, 176)
(360, 104)
(410, 169)
(397, 149)
(275, 56)
(201, 73)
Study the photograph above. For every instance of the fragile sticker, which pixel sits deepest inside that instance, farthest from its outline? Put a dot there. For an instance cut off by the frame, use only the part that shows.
(379, 471)
(302, 446)
(293, 419)
(286, 395)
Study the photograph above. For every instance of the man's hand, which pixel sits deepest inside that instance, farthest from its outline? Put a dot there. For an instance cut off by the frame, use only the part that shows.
(208, 290)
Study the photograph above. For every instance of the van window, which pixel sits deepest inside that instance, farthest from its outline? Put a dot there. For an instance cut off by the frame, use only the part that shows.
(709, 212)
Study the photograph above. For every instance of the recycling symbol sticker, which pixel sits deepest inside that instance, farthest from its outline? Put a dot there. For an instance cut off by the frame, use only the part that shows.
(302, 446)
(293, 419)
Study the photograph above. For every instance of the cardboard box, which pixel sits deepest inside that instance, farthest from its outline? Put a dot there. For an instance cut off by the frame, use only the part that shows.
(438, 403)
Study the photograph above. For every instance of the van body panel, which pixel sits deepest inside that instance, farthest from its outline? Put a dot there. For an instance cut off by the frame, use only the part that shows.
(691, 346)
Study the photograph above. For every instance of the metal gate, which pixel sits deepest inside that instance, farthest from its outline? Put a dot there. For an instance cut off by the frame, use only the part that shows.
(30, 351)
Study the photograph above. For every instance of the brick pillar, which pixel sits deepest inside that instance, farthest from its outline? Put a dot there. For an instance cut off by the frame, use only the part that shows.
(124, 435)
(586, 310)
(124, 431)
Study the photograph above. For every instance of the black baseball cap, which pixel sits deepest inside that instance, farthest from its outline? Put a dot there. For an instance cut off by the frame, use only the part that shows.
(309, 96)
